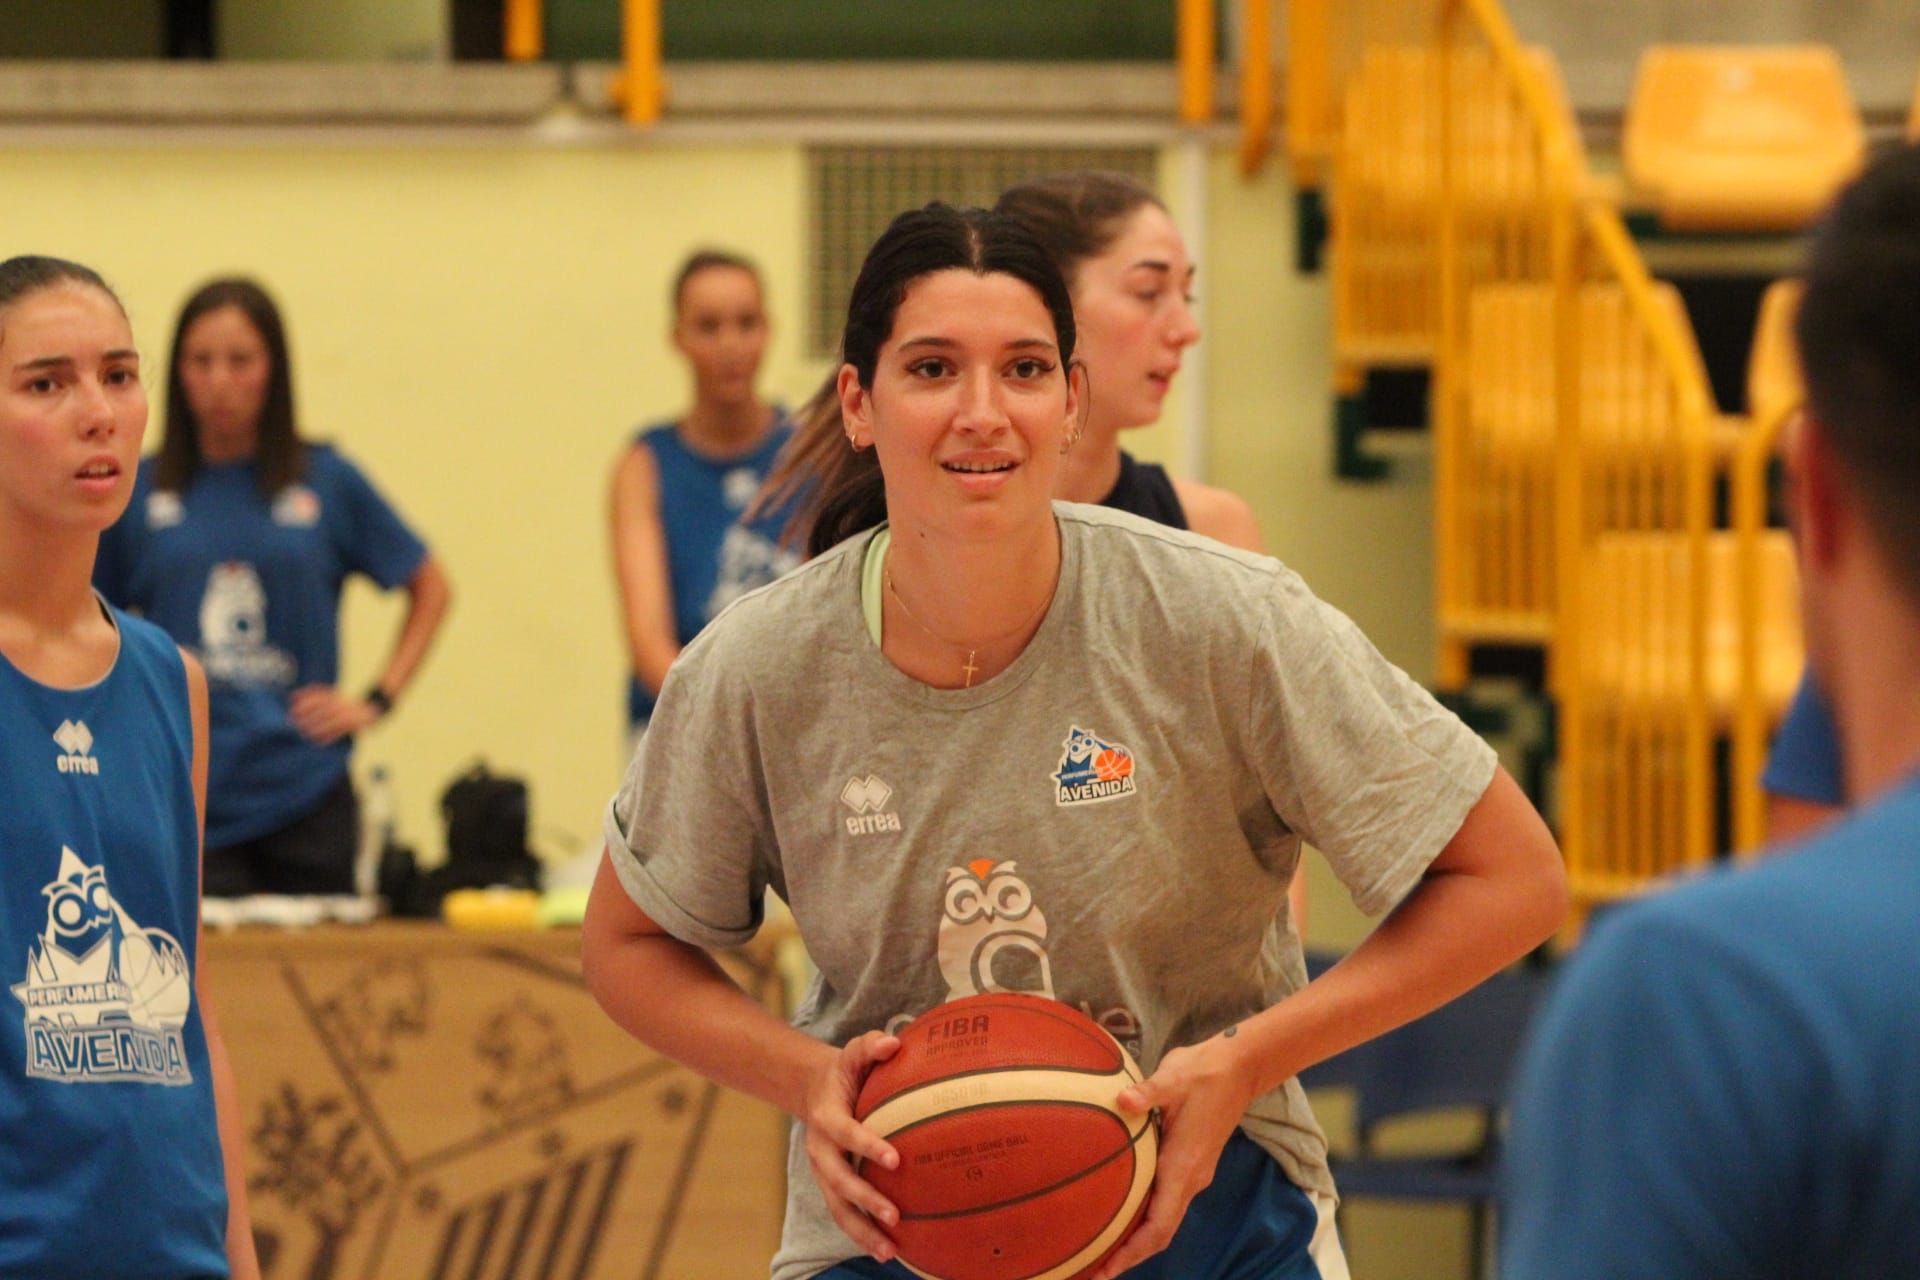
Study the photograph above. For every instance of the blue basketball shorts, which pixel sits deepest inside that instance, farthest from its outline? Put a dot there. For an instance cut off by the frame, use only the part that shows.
(1251, 1223)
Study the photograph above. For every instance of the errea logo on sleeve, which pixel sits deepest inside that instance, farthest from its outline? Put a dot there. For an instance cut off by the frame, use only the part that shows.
(868, 798)
(76, 748)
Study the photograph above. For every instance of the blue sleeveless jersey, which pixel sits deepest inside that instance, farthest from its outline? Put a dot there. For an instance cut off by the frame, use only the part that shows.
(713, 556)
(110, 1160)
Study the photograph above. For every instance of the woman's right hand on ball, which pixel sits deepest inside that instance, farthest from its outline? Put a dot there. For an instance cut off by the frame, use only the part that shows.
(835, 1139)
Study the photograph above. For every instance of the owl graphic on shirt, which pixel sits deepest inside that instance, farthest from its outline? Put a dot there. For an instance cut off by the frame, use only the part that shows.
(993, 936)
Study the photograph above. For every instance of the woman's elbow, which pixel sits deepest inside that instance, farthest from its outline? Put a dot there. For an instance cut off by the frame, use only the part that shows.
(600, 946)
(1546, 897)
(613, 943)
(431, 587)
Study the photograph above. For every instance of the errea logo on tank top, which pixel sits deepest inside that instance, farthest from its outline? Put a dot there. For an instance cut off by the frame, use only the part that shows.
(75, 741)
(1092, 770)
(868, 798)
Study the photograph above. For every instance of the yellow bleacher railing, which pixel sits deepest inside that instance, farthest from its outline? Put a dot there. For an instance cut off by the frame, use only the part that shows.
(1313, 88)
(1325, 41)
(1631, 609)
(1383, 189)
(641, 90)
(524, 37)
(1510, 170)
(1312, 104)
(1194, 51)
(1256, 84)
(1770, 647)
(1577, 451)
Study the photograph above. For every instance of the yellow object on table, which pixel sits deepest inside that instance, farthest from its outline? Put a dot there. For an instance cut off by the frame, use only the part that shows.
(495, 909)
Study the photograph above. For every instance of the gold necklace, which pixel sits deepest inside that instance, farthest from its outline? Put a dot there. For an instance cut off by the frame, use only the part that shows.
(969, 668)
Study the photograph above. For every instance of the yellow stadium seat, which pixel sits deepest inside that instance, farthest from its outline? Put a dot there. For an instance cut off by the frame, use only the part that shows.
(1496, 542)
(1643, 660)
(1751, 138)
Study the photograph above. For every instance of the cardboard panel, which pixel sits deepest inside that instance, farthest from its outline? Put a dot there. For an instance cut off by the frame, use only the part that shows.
(420, 1102)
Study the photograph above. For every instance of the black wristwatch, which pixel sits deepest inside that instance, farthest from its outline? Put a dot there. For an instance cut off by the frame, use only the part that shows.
(377, 698)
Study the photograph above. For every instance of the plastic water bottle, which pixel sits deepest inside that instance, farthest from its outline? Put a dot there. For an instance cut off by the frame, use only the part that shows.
(376, 831)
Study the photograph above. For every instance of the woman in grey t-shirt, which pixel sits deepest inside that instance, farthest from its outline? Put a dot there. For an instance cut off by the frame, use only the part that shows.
(920, 704)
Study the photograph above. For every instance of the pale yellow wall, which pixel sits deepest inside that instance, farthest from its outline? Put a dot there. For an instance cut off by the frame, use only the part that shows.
(480, 325)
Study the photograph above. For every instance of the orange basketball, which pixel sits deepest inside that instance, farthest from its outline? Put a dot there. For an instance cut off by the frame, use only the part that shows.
(1111, 765)
(1015, 1161)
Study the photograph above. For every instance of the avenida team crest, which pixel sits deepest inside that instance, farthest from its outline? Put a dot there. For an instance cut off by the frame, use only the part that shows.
(1092, 770)
(104, 998)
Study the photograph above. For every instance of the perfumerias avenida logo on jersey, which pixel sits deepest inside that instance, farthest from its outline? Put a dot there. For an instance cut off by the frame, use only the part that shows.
(104, 998)
(233, 629)
(1092, 770)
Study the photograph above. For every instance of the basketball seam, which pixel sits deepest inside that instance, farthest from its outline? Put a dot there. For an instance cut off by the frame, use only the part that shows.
(923, 1099)
(1131, 1145)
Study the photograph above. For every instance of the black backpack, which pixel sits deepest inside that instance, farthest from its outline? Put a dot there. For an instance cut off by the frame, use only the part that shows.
(486, 818)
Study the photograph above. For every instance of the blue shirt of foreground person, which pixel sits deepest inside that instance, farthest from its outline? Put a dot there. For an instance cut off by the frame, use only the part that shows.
(1728, 1081)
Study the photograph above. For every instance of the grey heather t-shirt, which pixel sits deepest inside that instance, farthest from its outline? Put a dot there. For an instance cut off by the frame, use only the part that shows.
(1112, 821)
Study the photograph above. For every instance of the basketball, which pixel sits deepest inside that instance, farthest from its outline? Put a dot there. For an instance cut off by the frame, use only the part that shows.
(1111, 765)
(1016, 1162)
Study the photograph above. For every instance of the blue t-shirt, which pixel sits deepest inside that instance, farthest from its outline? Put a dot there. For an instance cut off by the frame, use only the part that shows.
(110, 1159)
(253, 587)
(713, 556)
(1805, 760)
(1727, 1082)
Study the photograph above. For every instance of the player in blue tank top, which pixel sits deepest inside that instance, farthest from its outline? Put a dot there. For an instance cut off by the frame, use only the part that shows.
(122, 1146)
(237, 542)
(681, 552)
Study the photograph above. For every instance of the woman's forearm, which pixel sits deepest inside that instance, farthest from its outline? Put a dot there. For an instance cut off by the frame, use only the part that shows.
(675, 998)
(1496, 891)
(429, 596)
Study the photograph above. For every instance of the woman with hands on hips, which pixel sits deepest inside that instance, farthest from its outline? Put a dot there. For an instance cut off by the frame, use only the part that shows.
(924, 702)
(238, 541)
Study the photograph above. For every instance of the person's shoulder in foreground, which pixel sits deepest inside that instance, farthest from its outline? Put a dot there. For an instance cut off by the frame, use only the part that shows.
(1727, 1082)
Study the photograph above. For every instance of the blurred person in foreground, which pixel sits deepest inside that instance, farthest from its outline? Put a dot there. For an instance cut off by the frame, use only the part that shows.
(1728, 1081)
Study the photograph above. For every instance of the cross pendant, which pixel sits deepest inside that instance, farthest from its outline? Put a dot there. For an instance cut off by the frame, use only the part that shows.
(969, 668)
